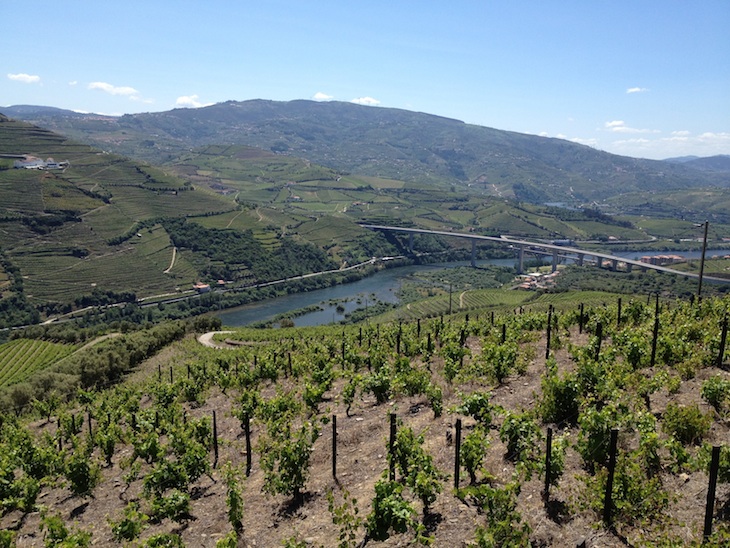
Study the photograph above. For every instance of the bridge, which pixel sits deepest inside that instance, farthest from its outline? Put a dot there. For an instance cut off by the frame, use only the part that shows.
(580, 256)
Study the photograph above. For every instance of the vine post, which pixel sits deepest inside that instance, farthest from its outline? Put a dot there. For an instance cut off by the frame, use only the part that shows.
(710, 507)
(548, 464)
(391, 447)
(580, 319)
(457, 455)
(215, 440)
(656, 332)
(723, 340)
(334, 446)
(607, 501)
(247, 431)
(549, 326)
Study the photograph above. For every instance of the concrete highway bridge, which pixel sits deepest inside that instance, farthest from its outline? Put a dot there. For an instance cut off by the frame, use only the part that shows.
(580, 256)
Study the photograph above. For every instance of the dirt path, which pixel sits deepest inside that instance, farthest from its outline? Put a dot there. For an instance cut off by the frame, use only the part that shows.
(461, 299)
(206, 339)
(172, 262)
(235, 217)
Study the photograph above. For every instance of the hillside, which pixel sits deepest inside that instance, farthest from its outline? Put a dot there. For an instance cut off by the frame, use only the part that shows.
(383, 142)
(233, 445)
(103, 229)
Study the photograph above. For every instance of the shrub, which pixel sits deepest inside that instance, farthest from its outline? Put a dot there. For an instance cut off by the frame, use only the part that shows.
(131, 525)
(716, 391)
(473, 450)
(686, 423)
(521, 433)
(504, 525)
(560, 401)
(390, 511)
(477, 406)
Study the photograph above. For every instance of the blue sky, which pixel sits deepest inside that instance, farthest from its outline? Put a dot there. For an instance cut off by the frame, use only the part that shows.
(644, 78)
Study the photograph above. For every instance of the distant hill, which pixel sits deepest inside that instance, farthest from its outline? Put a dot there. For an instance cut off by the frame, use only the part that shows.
(384, 142)
(718, 164)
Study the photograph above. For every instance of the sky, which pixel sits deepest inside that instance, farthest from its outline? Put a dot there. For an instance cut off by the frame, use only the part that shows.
(641, 78)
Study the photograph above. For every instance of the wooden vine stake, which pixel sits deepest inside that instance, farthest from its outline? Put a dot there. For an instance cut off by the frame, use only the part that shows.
(549, 326)
(599, 336)
(247, 431)
(580, 319)
(457, 454)
(710, 507)
(215, 440)
(391, 447)
(548, 464)
(656, 332)
(607, 501)
(334, 446)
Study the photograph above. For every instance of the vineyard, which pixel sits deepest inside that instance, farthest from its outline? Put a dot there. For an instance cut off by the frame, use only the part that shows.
(22, 357)
(433, 431)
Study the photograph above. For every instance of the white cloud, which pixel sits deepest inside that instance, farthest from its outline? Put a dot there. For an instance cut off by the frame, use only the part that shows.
(369, 101)
(637, 90)
(190, 101)
(73, 83)
(319, 96)
(619, 126)
(114, 90)
(25, 78)
(678, 143)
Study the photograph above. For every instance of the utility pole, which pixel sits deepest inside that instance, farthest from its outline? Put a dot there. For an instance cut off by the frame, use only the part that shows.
(449, 298)
(702, 260)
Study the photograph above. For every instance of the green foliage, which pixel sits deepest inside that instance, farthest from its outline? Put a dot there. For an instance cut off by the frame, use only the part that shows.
(560, 400)
(503, 525)
(704, 458)
(390, 511)
(229, 541)
(379, 384)
(57, 535)
(234, 497)
(435, 399)
(164, 540)
(595, 431)
(687, 424)
(7, 538)
(637, 498)
(416, 466)
(478, 407)
(716, 391)
(346, 517)
(522, 434)
(285, 454)
(498, 361)
(473, 450)
(82, 474)
(174, 506)
(131, 525)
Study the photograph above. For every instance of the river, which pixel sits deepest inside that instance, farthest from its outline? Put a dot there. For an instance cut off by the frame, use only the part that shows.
(340, 300)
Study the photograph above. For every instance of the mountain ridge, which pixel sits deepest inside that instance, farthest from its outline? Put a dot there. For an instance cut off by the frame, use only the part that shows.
(385, 142)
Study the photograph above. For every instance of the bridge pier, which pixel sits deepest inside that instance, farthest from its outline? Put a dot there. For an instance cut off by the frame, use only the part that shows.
(629, 267)
(555, 260)
(614, 264)
(410, 243)
(473, 253)
(580, 259)
(520, 259)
